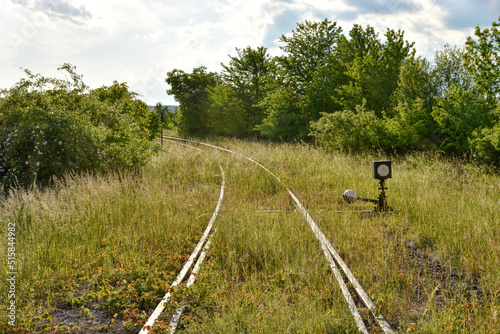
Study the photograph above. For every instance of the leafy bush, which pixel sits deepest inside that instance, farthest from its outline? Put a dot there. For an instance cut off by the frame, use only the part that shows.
(411, 128)
(485, 144)
(459, 114)
(50, 127)
(349, 131)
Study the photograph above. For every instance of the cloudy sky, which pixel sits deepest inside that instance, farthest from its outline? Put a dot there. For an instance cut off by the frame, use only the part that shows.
(139, 41)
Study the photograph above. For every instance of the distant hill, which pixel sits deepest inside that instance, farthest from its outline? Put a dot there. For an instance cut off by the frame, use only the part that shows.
(171, 108)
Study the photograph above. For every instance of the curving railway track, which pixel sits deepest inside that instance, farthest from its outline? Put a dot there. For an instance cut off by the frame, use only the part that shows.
(202, 246)
(341, 271)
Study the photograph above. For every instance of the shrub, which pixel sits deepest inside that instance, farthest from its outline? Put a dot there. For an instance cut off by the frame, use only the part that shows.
(485, 144)
(459, 114)
(50, 127)
(412, 127)
(349, 131)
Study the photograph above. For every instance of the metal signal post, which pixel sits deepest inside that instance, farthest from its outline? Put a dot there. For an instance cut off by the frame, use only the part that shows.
(381, 171)
(382, 200)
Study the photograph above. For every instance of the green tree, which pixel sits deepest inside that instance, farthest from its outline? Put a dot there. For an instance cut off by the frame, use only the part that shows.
(285, 120)
(247, 75)
(449, 70)
(359, 43)
(460, 114)
(411, 122)
(190, 90)
(364, 84)
(467, 112)
(228, 115)
(411, 128)
(482, 59)
(307, 49)
(372, 68)
(323, 89)
(416, 81)
(361, 70)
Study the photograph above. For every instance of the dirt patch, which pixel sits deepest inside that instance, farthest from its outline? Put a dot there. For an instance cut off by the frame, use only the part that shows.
(448, 279)
(87, 320)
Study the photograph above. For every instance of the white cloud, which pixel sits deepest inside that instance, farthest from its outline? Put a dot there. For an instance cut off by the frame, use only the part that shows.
(61, 9)
(423, 25)
(140, 41)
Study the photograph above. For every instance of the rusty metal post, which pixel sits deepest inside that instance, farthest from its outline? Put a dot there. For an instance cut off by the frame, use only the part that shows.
(382, 199)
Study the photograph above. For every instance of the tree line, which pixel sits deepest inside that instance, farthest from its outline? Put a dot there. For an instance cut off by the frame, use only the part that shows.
(352, 91)
(349, 91)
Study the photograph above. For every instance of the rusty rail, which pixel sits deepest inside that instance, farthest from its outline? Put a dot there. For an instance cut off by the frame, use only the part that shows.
(203, 243)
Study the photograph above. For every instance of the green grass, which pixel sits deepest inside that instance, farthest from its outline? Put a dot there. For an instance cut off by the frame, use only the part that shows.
(108, 243)
(105, 248)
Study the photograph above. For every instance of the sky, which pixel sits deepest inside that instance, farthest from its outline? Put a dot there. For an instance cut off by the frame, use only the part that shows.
(140, 41)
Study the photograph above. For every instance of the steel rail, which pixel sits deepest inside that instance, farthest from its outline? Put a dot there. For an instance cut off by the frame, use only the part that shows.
(174, 322)
(187, 266)
(327, 249)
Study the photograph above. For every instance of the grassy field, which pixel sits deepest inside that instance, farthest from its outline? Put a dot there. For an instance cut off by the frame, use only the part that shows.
(97, 253)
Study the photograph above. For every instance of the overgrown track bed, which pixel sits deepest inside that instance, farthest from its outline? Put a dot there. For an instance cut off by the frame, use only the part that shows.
(190, 266)
(417, 273)
(98, 253)
(334, 259)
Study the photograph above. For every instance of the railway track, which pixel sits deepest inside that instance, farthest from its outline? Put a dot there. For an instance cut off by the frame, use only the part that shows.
(202, 246)
(339, 268)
